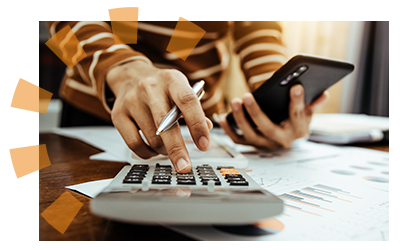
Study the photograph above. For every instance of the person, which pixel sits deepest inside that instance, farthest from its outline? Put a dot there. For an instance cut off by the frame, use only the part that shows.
(136, 85)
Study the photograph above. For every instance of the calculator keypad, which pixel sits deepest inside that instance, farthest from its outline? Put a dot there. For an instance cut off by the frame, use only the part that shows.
(136, 174)
(162, 174)
(166, 175)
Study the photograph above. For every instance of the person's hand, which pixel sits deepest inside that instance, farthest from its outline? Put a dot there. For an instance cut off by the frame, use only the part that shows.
(144, 95)
(269, 134)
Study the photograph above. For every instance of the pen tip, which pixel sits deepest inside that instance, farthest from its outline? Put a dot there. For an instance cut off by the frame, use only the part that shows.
(159, 132)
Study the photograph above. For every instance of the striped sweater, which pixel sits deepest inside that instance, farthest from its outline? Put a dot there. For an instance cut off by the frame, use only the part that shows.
(258, 44)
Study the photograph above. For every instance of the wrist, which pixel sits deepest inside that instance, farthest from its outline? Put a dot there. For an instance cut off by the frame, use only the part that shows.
(117, 77)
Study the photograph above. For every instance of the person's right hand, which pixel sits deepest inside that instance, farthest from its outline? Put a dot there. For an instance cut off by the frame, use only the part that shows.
(144, 95)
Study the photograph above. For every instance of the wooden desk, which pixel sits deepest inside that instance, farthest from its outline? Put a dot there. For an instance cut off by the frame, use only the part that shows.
(70, 165)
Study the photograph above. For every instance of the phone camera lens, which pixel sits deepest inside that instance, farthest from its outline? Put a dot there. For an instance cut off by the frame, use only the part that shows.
(295, 74)
(303, 68)
(284, 82)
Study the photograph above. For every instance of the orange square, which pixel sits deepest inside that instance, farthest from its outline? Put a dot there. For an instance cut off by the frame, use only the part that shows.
(62, 211)
(66, 46)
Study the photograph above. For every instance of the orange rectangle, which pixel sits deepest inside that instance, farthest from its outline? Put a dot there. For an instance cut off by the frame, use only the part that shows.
(27, 160)
(124, 23)
(185, 38)
(66, 46)
(230, 173)
(124, 14)
(124, 32)
(30, 97)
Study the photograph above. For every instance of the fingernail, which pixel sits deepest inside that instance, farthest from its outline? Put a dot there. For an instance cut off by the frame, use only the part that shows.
(247, 100)
(182, 164)
(235, 106)
(298, 90)
(203, 143)
(215, 116)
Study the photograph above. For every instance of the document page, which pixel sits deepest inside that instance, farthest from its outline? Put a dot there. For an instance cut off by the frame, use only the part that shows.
(344, 196)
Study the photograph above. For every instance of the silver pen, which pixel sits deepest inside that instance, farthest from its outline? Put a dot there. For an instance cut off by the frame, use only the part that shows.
(174, 114)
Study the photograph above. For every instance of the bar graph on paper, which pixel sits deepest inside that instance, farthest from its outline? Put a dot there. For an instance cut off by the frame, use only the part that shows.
(338, 209)
(315, 198)
(299, 196)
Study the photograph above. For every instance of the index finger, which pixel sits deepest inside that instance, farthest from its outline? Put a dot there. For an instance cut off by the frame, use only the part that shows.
(177, 151)
(187, 101)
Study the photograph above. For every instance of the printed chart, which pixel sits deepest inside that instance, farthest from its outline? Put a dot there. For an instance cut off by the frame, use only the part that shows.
(316, 197)
(341, 196)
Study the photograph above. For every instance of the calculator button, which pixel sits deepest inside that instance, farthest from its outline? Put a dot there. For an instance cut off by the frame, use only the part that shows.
(188, 174)
(204, 168)
(221, 167)
(207, 178)
(157, 172)
(163, 166)
(186, 182)
(162, 174)
(233, 176)
(162, 170)
(228, 170)
(161, 181)
(131, 180)
(207, 175)
(185, 177)
(138, 170)
(162, 177)
(214, 178)
(135, 175)
(235, 179)
(239, 183)
(140, 166)
(206, 172)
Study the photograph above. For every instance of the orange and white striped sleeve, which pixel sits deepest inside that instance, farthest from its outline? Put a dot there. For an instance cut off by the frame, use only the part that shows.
(84, 85)
(260, 49)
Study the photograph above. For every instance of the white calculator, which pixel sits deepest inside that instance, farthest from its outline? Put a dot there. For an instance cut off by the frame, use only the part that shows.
(216, 191)
(152, 192)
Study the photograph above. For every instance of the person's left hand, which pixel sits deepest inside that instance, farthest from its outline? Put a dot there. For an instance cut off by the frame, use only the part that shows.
(269, 134)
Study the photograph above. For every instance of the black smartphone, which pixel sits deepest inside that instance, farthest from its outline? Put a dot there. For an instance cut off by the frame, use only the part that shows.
(315, 73)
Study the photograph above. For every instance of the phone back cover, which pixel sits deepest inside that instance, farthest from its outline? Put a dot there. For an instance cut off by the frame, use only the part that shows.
(274, 98)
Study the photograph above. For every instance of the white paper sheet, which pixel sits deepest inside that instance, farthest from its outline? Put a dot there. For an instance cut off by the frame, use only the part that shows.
(90, 189)
(313, 210)
(107, 139)
(360, 212)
